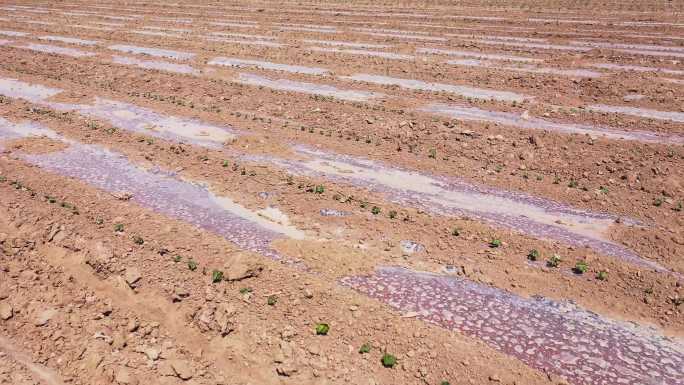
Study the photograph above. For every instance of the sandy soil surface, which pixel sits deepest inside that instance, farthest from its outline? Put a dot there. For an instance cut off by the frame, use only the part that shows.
(259, 193)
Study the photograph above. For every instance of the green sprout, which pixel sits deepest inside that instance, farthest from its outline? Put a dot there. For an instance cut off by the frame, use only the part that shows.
(365, 348)
(177, 258)
(432, 153)
(375, 210)
(388, 360)
(320, 189)
(573, 184)
(658, 202)
(322, 329)
(272, 300)
(603, 190)
(533, 255)
(456, 231)
(192, 265)
(554, 261)
(602, 275)
(246, 290)
(392, 214)
(581, 267)
(225, 163)
(138, 240)
(119, 227)
(216, 276)
(495, 243)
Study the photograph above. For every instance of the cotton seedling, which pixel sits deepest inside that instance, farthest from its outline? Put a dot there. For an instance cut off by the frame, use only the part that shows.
(388, 360)
(322, 329)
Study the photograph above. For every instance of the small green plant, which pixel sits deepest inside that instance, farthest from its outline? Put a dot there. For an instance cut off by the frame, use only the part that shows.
(138, 240)
(432, 153)
(177, 258)
(679, 207)
(119, 227)
(363, 205)
(388, 360)
(444, 383)
(573, 184)
(375, 210)
(319, 189)
(603, 190)
(322, 329)
(648, 290)
(99, 221)
(602, 275)
(658, 202)
(272, 300)
(216, 276)
(581, 267)
(554, 261)
(494, 243)
(365, 348)
(533, 255)
(192, 265)
(456, 231)
(246, 290)
(225, 163)
(392, 214)
(50, 199)
(3, 179)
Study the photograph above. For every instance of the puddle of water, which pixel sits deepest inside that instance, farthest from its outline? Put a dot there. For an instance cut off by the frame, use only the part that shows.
(156, 65)
(527, 214)
(91, 27)
(555, 337)
(244, 35)
(581, 73)
(346, 44)
(56, 50)
(152, 51)
(633, 97)
(31, 92)
(246, 42)
(235, 25)
(305, 29)
(403, 36)
(179, 30)
(158, 33)
(495, 38)
(648, 47)
(640, 112)
(558, 47)
(388, 30)
(12, 130)
(517, 120)
(467, 92)
(675, 81)
(13, 33)
(163, 193)
(476, 54)
(145, 121)
(241, 63)
(651, 53)
(307, 88)
(69, 40)
(360, 52)
(126, 116)
(621, 67)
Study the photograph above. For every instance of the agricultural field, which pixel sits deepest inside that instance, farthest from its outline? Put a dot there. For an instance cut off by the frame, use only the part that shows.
(368, 193)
